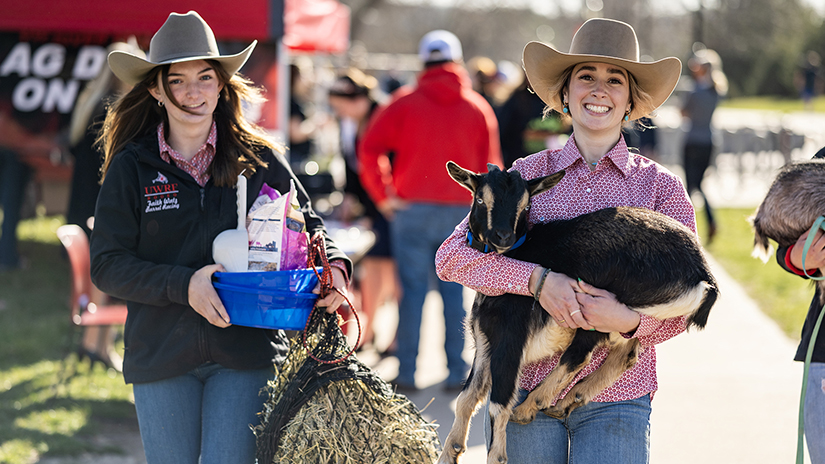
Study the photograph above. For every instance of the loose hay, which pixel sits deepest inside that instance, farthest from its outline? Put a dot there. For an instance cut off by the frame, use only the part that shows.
(341, 413)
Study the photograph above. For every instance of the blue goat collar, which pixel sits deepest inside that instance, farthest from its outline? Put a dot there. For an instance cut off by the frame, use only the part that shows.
(484, 248)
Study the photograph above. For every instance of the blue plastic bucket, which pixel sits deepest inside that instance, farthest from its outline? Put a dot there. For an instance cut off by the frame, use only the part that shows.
(297, 280)
(267, 300)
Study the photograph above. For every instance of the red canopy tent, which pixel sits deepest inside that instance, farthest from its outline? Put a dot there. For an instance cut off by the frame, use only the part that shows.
(280, 26)
(316, 26)
(306, 25)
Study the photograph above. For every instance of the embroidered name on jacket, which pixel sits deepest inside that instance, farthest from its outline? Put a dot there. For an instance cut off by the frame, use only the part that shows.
(160, 197)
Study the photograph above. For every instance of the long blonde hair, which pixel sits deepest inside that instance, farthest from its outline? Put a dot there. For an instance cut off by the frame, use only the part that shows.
(137, 114)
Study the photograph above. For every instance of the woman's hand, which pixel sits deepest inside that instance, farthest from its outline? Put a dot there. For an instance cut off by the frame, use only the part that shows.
(558, 298)
(603, 312)
(204, 299)
(816, 254)
(334, 299)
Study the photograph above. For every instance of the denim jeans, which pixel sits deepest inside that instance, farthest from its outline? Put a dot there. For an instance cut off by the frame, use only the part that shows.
(14, 176)
(604, 433)
(201, 416)
(416, 233)
(815, 413)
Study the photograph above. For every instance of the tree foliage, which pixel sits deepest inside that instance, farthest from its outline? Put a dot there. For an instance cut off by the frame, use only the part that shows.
(762, 43)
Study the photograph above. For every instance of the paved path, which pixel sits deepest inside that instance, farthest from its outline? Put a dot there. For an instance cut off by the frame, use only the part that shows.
(730, 393)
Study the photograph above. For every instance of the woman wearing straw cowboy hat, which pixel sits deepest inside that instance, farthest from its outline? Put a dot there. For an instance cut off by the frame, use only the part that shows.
(174, 146)
(599, 85)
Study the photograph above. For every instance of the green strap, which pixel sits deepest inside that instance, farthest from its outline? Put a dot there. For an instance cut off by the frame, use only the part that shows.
(808, 242)
(800, 451)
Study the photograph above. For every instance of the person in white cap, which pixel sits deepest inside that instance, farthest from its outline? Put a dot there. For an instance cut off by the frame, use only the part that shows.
(599, 85)
(174, 146)
(442, 119)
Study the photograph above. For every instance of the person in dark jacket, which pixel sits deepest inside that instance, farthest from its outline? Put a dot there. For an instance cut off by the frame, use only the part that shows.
(524, 129)
(698, 108)
(173, 149)
(790, 259)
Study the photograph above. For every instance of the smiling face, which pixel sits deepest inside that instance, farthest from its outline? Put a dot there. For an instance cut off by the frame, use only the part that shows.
(195, 86)
(598, 96)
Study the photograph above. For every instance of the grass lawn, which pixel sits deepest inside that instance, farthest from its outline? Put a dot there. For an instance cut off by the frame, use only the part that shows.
(38, 415)
(782, 296)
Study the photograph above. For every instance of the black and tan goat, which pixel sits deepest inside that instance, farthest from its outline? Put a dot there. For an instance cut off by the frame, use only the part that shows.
(794, 201)
(651, 262)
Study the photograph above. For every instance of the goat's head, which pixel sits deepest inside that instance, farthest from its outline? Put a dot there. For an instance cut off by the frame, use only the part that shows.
(794, 201)
(501, 203)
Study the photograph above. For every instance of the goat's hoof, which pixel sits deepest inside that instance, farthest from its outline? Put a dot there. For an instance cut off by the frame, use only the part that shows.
(447, 458)
(555, 412)
(458, 448)
(499, 459)
(579, 398)
(523, 415)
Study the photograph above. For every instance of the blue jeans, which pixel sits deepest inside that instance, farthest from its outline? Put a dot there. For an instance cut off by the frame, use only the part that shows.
(604, 433)
(815, 413)
(416, 233)
(201, 416)
(14, 176)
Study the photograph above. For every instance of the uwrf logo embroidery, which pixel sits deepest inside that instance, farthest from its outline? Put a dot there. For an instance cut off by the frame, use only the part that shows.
(161, 197)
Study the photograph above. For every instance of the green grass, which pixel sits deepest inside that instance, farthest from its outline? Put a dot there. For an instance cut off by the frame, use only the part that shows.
(785, 105)
(782, 296)
(39, 414)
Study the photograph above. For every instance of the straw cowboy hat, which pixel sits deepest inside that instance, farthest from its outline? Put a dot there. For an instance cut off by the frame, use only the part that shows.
(604, 41)
(183, 37)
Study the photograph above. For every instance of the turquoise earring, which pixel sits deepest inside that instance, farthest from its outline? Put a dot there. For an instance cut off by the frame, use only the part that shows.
(565, 109)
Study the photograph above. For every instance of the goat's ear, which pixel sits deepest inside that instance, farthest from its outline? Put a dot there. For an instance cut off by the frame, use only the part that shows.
(543, 184)
(466, 178)
(492, 167)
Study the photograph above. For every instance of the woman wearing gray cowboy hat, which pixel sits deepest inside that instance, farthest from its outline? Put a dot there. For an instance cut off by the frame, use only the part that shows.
(600, 84)
(174, 146)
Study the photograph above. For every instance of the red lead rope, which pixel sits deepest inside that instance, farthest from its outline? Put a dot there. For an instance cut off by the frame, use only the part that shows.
(317, 249)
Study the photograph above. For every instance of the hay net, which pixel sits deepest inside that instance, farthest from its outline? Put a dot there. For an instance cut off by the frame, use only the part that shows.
(338, 412)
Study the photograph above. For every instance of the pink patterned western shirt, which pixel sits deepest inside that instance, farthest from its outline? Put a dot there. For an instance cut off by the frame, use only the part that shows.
(197, 166)
(621, 178)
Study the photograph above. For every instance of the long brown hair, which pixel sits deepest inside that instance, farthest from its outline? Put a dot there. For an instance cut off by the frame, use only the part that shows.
(137, 114)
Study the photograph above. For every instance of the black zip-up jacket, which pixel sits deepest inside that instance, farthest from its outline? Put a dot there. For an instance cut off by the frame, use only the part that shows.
(813, 311)
(154, 227)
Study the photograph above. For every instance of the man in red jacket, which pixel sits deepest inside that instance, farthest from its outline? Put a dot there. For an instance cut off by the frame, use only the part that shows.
(443, 119)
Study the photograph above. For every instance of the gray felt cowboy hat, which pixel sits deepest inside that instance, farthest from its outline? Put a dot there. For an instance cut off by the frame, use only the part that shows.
(183, 37)
(604, 41)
